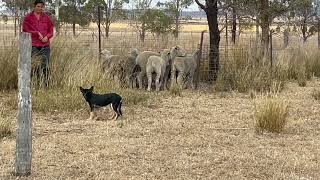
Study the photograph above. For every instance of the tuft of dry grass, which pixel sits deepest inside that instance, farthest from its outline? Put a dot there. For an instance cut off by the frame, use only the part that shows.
(6, 128)
(244, 72)
(270, 114)
(316, 94)
(8, 68)
(301, 64)
(313, 63)
(175, 90)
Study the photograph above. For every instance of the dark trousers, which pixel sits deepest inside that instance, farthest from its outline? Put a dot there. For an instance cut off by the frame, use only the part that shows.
(41, 59)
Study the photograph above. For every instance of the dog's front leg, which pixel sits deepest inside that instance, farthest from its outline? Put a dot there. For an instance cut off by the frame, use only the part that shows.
(91, 115)
(115, 116)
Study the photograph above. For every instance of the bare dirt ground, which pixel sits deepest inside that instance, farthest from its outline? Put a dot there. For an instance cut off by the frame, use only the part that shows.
(201, 135)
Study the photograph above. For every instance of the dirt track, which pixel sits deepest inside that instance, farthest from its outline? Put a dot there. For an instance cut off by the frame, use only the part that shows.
(200, 135)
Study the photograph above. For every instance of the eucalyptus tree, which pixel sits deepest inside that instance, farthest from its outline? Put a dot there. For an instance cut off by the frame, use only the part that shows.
(111, 11)
(304, 13)
(175, 8)
(140, 17)
(211, 9)
(72, 12)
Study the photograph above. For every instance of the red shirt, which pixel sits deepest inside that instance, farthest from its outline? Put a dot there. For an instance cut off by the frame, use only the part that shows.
(32, 25)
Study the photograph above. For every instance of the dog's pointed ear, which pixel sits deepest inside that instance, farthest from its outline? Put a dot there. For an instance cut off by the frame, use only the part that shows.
(81, 89)
(91, 89)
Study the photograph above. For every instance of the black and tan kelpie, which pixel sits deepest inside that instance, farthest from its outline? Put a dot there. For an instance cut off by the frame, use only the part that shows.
(96, 101)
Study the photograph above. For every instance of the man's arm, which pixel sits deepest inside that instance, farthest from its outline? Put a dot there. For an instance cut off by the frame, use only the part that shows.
(27, 26)
(50, 27)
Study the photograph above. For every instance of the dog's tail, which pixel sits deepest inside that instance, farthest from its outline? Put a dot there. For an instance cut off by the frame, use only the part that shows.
(119, 108)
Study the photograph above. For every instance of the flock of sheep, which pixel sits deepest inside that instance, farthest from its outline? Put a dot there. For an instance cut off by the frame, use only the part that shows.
(169, 67)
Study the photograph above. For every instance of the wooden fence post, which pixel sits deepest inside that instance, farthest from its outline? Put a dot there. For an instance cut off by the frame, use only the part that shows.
(24, 119)
(99, 29)
(271, 49)
(199, 60)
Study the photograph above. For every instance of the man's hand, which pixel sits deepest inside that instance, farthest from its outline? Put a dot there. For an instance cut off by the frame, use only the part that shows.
(45, 39)
(40, 36)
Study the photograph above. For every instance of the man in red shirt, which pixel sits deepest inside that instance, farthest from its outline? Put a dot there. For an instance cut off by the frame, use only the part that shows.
(40, 26)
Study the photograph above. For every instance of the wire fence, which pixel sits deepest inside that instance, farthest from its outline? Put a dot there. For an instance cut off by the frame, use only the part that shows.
(123, 37)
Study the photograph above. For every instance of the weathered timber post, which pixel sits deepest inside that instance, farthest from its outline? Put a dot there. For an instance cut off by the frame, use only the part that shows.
(24, 119)
(199, 60)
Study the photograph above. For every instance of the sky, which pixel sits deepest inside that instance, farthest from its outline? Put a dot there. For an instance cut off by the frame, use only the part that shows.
(193, 7)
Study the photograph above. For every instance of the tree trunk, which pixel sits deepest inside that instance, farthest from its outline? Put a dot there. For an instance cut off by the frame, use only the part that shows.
(318, 27)
(286, 38)
(15, 23)
(234, 25)
(107, 29)
(108, 19)
(177, 22)
(214, 33)
(226, 24)
(257, 29)
(143, 32)
(57, 24)
(265, 26)
(304, 30)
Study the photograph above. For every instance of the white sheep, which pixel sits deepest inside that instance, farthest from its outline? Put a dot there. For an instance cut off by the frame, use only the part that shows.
(157, 65)
(142, 60)
(184, 68)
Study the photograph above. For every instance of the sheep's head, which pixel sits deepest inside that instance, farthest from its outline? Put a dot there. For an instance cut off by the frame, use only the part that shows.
(177, 51)
(165, 55)
(106, 52)
(134, 52)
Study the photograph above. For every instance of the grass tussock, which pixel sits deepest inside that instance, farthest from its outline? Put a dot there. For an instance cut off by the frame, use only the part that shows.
(301, 64)
(270, 114)
(244, 72)
(316, 94)
(175, 90)
(8, 68)
(313, 63)
(6, 128)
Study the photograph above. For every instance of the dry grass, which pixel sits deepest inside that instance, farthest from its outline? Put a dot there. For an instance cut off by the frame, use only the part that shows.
(69, 71)
(199, 135)
(6, 127)
(316, 94)
(184, 27)
(245, 71)
(70, 99)
(301, 64)
(8, 68)
(271, 114)
(175, 90)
